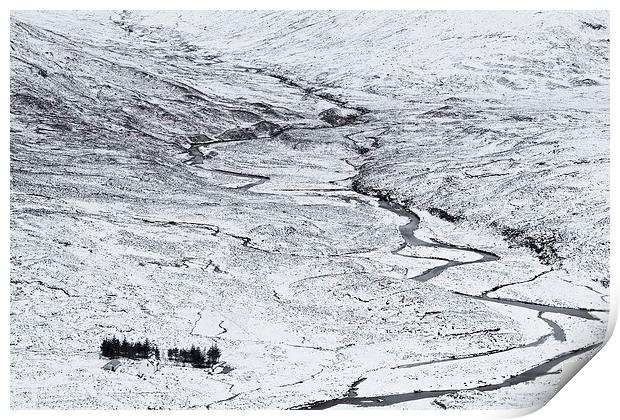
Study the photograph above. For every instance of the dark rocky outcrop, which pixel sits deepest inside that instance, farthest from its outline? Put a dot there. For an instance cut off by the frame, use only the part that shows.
(260, 129)
(584, 82)
(337, 117)
(245, 133)
(595, 26)
(266, 128)
(442, 214)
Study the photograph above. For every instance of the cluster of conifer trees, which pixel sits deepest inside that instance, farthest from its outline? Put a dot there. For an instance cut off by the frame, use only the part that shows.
(114, 348)
(195, 356)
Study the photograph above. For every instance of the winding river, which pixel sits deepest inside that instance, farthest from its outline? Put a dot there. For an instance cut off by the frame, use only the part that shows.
(407, 231)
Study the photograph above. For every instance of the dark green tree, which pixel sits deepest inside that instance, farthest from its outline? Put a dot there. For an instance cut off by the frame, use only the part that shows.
(124, 347)
(213, 354)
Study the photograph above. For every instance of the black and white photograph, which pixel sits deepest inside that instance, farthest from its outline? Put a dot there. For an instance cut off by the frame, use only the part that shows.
(306, 209)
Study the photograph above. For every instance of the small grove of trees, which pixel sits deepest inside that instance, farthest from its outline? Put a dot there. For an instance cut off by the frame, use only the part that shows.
(113, 348)
(195, 356)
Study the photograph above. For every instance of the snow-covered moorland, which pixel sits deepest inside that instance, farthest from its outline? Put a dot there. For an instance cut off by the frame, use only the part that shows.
(361, 209)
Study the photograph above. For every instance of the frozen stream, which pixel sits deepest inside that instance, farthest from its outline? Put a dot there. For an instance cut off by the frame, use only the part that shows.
(407, 231)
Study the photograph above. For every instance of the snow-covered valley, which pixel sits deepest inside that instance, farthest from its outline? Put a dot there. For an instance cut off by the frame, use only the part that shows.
(362, 209)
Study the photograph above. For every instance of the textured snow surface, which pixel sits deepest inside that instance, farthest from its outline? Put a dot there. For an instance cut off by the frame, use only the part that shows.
(362, 209)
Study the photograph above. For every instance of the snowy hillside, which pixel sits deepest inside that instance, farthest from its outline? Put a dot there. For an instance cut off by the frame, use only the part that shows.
(398, 209)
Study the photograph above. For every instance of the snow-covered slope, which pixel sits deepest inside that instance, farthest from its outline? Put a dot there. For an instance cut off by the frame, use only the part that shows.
(212, 177)
(510, 107)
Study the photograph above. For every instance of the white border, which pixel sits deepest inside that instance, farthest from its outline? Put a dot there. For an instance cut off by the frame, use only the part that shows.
(592, 394)
(313, 4)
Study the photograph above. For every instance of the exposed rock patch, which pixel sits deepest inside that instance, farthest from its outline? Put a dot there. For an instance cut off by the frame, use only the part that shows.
(337, 117)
